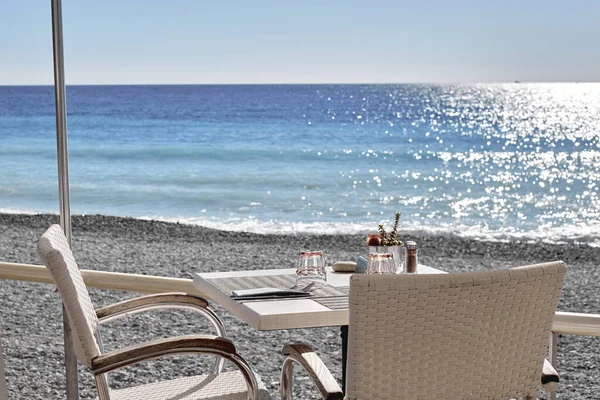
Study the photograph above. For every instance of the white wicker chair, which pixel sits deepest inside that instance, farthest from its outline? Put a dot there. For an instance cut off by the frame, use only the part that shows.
(238, 384)
(481, 335)
(3, 391)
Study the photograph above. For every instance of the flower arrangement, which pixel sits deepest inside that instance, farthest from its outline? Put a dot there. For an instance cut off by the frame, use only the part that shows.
(384, 238)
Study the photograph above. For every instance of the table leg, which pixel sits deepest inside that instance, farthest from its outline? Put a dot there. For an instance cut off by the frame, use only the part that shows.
(344, 336)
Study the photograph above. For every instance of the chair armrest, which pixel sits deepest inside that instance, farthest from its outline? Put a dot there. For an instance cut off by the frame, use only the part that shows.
(549, 377)
(164, 300)
(156, 348)
(160, 300)
(314, 366)
(177, 345)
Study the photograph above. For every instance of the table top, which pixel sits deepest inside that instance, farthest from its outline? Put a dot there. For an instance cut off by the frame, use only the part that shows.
(278, 314)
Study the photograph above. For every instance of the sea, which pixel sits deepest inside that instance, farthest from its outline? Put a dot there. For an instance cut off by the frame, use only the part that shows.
(488, 162)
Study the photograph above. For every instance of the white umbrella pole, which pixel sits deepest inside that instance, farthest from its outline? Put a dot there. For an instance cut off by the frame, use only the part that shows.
(63, 179)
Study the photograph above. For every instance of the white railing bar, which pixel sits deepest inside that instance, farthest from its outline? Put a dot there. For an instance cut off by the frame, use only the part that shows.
(103, 280)
(564, 322)
(569, 323)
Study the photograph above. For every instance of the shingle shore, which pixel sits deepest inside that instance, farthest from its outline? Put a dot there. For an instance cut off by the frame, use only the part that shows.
(31, 319)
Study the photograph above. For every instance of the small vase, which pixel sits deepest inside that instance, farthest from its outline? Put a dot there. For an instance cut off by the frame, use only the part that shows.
(396, 252)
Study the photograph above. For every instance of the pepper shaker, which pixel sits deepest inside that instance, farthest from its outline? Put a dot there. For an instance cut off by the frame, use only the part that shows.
(410, 264)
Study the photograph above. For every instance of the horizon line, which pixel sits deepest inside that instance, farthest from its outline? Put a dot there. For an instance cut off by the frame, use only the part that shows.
(303, 83)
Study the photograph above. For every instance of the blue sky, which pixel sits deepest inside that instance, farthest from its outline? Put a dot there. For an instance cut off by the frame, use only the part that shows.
(185, 41)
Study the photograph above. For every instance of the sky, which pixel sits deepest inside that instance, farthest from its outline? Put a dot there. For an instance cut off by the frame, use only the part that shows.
(326, 41)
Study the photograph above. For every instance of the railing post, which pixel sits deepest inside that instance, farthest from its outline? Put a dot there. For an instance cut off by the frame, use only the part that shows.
(71, 370)
(553, 352)
(3, 390)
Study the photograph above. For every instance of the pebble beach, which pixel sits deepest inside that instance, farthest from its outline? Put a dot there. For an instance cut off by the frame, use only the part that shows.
(31, 318)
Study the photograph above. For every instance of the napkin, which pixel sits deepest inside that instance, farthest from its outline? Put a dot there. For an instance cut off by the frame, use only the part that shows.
(267, 292)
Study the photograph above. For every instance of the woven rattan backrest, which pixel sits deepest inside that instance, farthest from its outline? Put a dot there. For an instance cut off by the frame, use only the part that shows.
(54, 251)
(479, 335)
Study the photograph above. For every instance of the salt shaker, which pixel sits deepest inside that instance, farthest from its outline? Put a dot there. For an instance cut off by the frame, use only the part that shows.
(410, 263)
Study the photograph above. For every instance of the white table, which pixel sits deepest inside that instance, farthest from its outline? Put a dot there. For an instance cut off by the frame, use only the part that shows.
(282, 314)
(290, 313)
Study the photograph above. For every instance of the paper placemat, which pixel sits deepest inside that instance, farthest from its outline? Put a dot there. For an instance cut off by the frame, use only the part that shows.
(333, 297)
(333, 303)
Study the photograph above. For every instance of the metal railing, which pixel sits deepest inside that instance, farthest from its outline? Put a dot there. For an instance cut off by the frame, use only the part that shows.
(102, 279)
(566, 323)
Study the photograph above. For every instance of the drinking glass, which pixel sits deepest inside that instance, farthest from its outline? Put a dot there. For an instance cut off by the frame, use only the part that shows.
(311, 270)
(381, 263)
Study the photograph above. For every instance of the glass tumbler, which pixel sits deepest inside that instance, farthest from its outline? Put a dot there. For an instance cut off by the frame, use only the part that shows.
(311, 270)
(381, 263)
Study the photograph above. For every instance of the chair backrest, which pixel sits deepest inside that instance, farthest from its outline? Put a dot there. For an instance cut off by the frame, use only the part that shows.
(3, 391)
(54, 251)
(464, 336)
